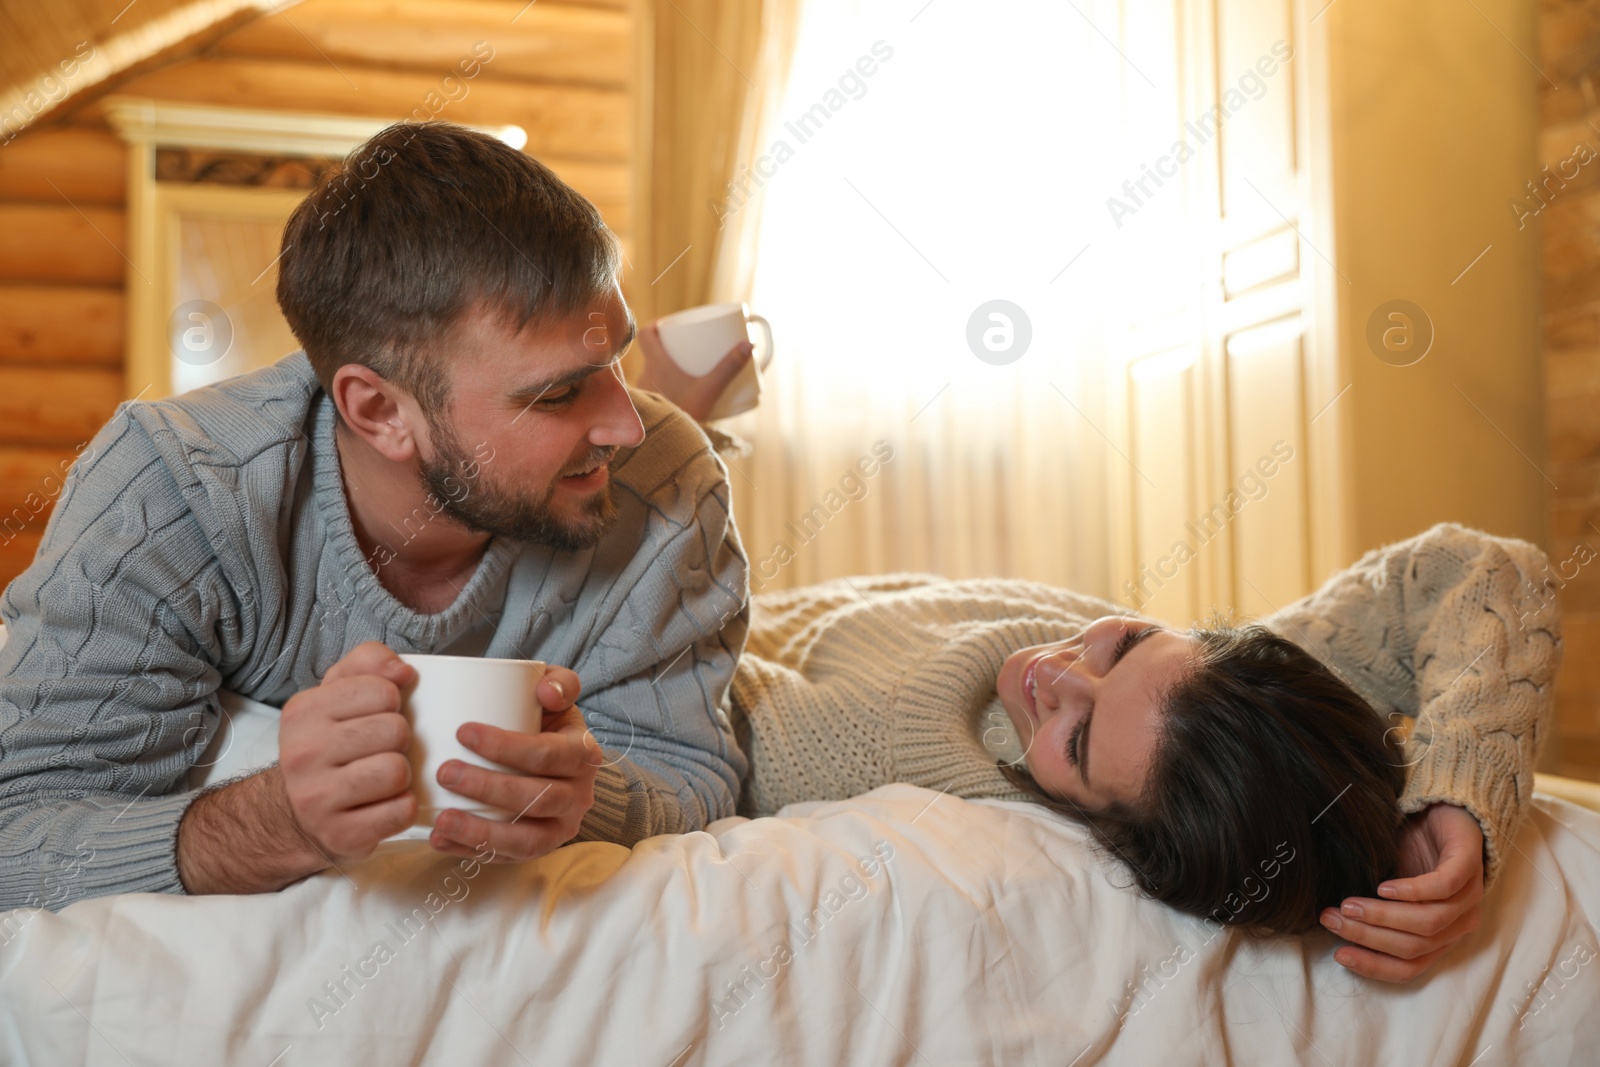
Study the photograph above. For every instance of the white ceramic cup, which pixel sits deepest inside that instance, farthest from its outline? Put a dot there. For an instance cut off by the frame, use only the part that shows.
(697, 339)
(450, 691)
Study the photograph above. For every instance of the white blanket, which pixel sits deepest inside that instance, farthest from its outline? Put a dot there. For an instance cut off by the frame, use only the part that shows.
(899, 927)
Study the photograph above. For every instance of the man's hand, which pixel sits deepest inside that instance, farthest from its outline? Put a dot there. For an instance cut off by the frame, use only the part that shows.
(342, 784)
(1436, 905)
(342, 749)
(696, 396)
(550, 786)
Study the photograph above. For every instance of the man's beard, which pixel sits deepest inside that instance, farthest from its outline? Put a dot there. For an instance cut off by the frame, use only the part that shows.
(487, 509)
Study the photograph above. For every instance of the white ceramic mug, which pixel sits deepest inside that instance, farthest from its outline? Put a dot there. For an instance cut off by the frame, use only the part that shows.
(450, 691)
(697, 339)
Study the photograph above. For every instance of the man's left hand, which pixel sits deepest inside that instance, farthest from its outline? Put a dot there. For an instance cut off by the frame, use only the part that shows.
(1437, 904)
(551, 786)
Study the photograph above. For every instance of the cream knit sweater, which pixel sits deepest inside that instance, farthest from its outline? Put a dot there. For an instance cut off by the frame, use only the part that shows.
(858, 682)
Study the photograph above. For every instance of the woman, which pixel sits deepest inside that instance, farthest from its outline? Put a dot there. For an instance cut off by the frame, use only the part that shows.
(1268, 776)
(1241, 774)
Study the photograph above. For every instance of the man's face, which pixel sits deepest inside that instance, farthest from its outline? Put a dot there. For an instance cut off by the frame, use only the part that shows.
(533, 418)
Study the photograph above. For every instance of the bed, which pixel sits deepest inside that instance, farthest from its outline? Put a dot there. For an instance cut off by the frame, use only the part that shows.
(901, 927)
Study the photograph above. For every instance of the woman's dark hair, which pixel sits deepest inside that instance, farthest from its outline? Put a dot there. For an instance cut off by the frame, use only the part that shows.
(1272, 792)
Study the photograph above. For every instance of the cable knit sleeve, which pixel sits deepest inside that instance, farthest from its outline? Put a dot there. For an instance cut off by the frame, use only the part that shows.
(108, 681)
(1459, 631)
(665, 638)
(672, 764)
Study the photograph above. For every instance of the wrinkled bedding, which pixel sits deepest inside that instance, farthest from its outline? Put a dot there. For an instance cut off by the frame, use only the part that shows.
(901, 927)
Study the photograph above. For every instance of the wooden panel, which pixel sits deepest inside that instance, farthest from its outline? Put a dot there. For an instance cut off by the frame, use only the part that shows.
(1266, 448)
(1577, 720)
(60, 243)
(17, 552)
(1570, 53)
(1161, 416)
(55, 52)
(225, 249)
(56, 407)
(47, 44)
(56, 325)
(578, 123)
(85, 166)
(1273, 258)
(37, 471)
(607, 185)
(1256, 90)
(546, 43)
(31, 481)
(1574, 538)
(1578, 684)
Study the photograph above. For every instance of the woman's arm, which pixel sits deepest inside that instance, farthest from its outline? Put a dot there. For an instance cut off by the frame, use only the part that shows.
(1459, 631)
(696, 396)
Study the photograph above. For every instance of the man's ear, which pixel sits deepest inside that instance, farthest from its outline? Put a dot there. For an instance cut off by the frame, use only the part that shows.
(381, 413)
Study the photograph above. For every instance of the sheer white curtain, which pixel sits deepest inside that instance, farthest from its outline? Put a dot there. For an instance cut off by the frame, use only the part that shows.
(927, 158)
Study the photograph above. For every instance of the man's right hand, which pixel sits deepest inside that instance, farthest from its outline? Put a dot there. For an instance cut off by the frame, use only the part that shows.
(342, 749)
(342, 784)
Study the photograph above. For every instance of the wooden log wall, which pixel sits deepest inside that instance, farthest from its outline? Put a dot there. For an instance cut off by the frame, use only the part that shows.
(561, 70)
(1567, 206)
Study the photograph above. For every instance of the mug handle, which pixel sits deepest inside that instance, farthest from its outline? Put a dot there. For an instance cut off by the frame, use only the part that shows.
(766, 330)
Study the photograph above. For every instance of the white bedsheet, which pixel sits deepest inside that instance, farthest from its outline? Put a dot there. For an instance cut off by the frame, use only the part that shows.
(990, 935)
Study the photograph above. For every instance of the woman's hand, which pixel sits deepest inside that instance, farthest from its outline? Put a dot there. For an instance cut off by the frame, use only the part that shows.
(696, 396)
(1436, 905)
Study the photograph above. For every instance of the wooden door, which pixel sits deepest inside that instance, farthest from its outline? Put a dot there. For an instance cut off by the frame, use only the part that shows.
(1210, 391)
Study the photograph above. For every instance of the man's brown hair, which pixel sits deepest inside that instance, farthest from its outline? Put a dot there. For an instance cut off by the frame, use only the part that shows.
(416, 226)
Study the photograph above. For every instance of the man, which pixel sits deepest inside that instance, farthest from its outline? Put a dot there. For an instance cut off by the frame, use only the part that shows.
(453, 465)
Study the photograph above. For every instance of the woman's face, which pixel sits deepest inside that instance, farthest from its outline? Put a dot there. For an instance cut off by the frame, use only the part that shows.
(1088, 710)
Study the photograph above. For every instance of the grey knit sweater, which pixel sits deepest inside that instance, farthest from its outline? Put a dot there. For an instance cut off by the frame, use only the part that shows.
(205, 541)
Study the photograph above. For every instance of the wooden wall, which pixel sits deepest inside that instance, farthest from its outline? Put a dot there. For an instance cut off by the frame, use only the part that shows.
(62, 233)
(561, 70)
(1570, 47)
